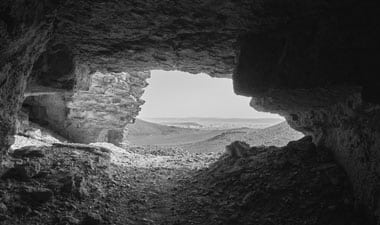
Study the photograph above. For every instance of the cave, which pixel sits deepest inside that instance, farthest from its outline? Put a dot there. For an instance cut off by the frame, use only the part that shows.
(199, 113)
(80, 67)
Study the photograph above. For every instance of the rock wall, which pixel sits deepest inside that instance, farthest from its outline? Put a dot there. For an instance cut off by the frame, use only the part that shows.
(96, 110)
(100, 111)
(319, 72)
(313, 61)
(341, 122)
(24, 33)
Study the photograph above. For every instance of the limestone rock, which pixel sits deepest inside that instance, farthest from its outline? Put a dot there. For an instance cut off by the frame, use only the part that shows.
(96, 109)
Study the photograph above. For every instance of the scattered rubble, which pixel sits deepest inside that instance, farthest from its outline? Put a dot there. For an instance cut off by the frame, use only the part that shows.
(75, 185)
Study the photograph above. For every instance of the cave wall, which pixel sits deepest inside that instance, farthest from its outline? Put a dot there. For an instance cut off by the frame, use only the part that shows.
(312, 61)
(135, 35)
(339, 121)
(96, 108)
(320, 73)
(25, 29)
(100, 108)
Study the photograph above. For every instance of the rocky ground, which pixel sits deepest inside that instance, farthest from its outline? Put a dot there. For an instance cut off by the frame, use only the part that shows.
(67, 184)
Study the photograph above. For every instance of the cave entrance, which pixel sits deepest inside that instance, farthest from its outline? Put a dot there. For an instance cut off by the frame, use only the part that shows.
(199, 113)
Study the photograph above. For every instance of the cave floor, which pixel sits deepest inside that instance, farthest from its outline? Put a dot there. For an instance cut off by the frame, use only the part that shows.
(75, 184)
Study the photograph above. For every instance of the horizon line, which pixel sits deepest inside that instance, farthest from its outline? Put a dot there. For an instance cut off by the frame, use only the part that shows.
(210, 117)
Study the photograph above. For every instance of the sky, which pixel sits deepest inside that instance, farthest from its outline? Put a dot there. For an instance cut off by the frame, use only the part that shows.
(180, 94)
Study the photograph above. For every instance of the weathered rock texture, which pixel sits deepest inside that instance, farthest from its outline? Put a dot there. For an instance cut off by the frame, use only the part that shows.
(96, 110)
(24, 32)
(100, 111)
(313, 61)
(319, 71)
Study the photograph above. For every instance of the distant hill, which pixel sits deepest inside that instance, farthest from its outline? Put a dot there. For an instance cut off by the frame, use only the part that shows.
(185, 124)
(277, 135)
(148, 133)
(219, 123)
(252, 120)
(199, 140)
(141, 127)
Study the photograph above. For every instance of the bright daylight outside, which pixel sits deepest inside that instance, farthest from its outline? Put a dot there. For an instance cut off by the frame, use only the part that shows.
(198, 113)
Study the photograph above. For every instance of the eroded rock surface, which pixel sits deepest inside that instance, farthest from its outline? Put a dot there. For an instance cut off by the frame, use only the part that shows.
(292, 185)
(97, 109)
(24, 32)
(314, 62)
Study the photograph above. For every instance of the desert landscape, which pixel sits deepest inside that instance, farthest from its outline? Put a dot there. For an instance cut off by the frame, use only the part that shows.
(211, 134)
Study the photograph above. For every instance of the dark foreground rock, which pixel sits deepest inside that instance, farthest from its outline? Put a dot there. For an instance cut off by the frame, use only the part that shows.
(269, 185)
(294, 185)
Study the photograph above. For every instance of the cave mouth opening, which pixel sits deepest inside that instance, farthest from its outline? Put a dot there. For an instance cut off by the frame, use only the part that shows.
(193, 112)
(200, 113)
